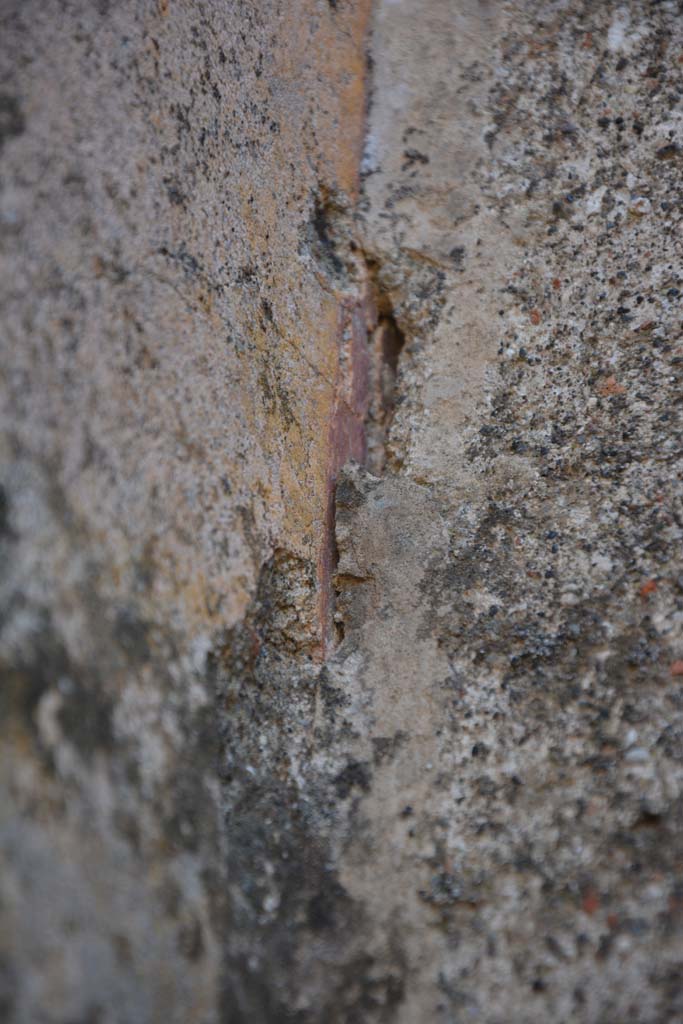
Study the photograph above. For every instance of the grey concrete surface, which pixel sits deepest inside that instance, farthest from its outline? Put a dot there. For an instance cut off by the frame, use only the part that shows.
(341, 589)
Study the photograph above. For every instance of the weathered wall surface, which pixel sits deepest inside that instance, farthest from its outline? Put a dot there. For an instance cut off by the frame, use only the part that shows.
(414, 755)
(512, 591)
(170, 378)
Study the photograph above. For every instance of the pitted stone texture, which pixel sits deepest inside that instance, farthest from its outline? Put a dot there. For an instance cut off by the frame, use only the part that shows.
(472, 811)
(522, 169)
(169, 373)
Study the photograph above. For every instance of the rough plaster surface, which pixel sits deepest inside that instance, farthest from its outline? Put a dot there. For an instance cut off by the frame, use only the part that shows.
(415, 755)
(170, 375)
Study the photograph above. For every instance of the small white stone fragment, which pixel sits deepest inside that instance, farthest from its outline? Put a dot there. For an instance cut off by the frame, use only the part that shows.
(637, 755)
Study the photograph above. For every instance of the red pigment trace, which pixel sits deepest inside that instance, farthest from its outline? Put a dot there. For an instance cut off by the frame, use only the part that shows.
(347, 438)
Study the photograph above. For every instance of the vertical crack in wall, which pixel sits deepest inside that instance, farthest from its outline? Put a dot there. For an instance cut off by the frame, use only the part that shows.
(289, 786)
(299, 749)
(386, 342)
(370, 346)
(291, 934)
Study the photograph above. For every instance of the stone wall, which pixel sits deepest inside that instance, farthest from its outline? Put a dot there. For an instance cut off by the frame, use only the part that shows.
(170, 375)
(341, 602)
